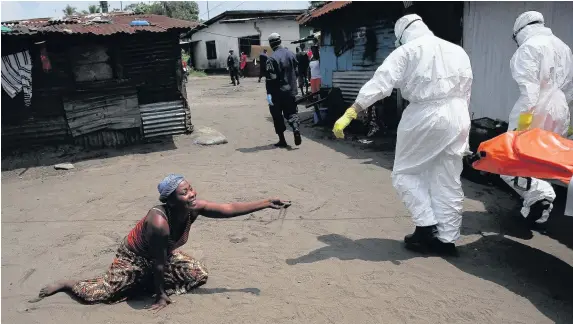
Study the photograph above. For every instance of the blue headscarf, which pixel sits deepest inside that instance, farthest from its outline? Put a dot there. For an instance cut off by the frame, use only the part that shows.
(168, 185)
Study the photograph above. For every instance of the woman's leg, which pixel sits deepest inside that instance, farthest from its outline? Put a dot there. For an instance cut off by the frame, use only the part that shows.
(124, 274)
(184, 273)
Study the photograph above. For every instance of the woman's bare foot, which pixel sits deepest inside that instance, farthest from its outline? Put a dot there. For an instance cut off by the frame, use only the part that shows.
(52, 289)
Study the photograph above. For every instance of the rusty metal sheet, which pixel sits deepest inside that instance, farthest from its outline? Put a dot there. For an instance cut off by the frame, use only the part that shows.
(88, 112)
(327, 8)
(32, 132)
(108, 24)
(164, 118)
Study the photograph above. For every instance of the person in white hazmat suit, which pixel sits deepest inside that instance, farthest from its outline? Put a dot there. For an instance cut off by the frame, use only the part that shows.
(435, 76)
(542, 66)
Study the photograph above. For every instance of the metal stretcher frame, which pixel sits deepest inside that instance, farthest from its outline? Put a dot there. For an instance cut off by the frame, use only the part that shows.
(568, 201)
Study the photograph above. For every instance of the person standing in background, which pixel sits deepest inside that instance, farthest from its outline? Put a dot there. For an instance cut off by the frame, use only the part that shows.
(243, 64)
(303, 62)
(233, 67)
(314, 70)
(263, 61)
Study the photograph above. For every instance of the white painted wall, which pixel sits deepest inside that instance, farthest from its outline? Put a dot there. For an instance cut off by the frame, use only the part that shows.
(220, 32)
(488, 27)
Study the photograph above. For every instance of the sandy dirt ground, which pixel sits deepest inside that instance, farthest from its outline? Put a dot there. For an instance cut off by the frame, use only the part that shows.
(337, 257)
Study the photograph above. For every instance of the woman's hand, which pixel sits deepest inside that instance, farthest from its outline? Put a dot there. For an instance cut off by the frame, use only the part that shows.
(160, 303)
(276, 203)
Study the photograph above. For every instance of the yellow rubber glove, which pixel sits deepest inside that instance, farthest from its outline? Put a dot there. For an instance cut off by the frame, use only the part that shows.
(343, 122)
(524, 121)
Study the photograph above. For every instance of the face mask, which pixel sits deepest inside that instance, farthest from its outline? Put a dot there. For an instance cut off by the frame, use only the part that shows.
(398, 41)
(514, 36)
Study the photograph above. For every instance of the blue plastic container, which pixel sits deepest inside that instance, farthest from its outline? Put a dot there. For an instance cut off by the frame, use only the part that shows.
(139, 23)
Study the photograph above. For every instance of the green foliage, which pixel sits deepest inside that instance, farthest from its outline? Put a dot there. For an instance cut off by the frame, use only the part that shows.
(70, 11)
(197, 73)
(93, 9)
(184, 10)
(316, 4)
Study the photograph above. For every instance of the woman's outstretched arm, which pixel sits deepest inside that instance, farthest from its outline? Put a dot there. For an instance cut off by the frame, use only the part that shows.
(217, 210)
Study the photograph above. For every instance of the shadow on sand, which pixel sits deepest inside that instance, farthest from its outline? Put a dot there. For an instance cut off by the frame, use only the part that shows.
(543, 279)
(498, 219)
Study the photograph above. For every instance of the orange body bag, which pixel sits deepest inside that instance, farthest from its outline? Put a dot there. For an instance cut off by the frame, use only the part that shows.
(533, 153)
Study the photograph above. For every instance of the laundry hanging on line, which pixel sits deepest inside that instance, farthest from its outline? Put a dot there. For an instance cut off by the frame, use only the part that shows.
(17, 75)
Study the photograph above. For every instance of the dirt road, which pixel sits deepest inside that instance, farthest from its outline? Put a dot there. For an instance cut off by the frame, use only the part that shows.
(336, 258)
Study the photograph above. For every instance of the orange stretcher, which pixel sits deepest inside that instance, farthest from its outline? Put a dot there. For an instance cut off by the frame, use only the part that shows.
(529, 154)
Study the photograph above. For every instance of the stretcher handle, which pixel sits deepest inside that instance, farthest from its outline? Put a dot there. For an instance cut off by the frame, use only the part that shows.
(516, 184)
(470, 159)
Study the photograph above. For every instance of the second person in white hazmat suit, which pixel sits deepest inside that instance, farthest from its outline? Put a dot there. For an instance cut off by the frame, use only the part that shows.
(435, 76)
(542, 66)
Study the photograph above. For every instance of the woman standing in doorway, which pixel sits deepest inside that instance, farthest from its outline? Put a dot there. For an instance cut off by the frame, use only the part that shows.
(314, 70)
(243, 64)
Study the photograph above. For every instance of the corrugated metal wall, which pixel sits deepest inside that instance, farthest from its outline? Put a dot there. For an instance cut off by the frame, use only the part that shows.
(151, 61)
(165, 118)
(100, 113)
(350, 82)
(109, 138)
(354, 59)
(115, 108)
(384, 34)
(35, 132)
(488, 27)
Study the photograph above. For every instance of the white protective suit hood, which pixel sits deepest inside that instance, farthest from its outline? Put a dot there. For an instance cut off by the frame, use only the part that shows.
(525, 23)
(409, 28)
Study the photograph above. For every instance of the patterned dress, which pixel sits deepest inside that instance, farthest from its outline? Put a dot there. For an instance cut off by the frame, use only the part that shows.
(131, 273)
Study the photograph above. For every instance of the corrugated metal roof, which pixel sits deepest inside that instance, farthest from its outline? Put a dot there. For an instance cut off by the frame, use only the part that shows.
(98, 24)
(327, 8)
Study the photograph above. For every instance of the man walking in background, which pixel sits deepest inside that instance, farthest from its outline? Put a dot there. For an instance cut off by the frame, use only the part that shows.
(281, 89)
(233, 67)
(303, 62)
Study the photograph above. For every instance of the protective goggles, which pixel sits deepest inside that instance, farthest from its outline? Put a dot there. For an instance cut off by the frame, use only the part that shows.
(514, 36)
(399, 40)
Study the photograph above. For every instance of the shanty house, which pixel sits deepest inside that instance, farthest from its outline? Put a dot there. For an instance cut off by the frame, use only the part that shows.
(239, 30)
(96, 80)
(356, 37)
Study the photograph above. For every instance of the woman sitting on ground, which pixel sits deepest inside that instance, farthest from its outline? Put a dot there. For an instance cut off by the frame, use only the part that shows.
(148, 253)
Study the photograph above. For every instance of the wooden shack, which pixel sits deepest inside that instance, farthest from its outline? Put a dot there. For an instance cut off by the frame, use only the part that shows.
(99, 80)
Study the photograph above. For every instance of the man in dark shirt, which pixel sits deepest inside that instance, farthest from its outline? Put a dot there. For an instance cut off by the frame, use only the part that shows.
(233, 67)
(263, 61)
(281, 74)
(303, 63)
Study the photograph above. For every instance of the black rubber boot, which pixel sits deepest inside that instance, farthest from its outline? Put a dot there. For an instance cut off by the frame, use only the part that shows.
(421, 239)
(297, 138)
(282, 141)
(536, 210)
(444, 249)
